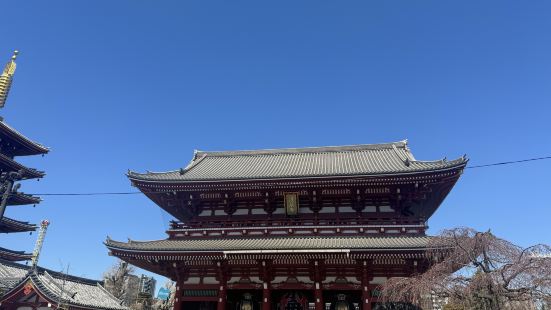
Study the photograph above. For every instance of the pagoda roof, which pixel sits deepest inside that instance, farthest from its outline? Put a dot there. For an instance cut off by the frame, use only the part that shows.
(12, 255)
(22, 199)
(315, 162)
(21, 145)
(8, 164)
(8, 225)
(273, 245)
(75, 291)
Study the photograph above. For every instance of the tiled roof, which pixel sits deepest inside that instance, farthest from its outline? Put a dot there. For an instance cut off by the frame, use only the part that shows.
(8, 164)
(11, 274)
(353, 160)
(22, 145)
(276, 243)
(12, 255)
(22, 199)
(75, 291)
(8, 225)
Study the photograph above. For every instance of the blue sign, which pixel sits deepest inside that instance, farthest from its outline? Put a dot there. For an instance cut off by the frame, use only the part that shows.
(163, 294)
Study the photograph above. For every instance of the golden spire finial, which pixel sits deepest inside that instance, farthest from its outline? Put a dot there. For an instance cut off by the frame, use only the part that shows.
(6, 78)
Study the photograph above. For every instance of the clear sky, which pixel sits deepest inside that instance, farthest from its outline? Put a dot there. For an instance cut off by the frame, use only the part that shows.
(117, 85)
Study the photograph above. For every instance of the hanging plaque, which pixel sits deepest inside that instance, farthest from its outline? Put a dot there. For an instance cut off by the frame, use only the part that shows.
(291, 203)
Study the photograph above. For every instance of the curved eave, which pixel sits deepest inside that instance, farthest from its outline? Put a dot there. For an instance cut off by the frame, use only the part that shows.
(273, 245)
(8, 225)
(45, 293)
(457, 164)
(14, 256)
(439, 192)
(25, 146)
(20, 286)
(8, 164)
(23, 199)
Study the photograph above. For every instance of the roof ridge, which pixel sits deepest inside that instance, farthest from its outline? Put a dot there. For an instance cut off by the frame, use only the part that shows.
(283, 237)
(196, 160)
(51, 280)
(12, 251)
(315, 149)
(52, 273)
(69, 277)
(113, 298)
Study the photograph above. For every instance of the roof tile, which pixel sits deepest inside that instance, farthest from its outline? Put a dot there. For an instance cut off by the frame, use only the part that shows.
(276, 243)
(354, 160)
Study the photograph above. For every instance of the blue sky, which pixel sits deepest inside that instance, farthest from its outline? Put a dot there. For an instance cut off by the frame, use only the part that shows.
(117, 85)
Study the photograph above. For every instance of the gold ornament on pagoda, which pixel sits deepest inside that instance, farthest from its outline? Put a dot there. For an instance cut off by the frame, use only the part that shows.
(6, 79)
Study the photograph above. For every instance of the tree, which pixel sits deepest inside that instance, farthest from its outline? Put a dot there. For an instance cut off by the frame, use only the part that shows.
(477, 270)
(166, 304)
(119, 282)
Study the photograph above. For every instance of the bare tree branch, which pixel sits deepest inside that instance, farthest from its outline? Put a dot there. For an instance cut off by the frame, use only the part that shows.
(477, 270)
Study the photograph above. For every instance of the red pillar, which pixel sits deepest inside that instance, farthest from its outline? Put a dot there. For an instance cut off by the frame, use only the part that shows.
(178, 297)
(266, 297)
(222, 293)
(318, 295)
(222, 297)
(367, 276)
(366, 297)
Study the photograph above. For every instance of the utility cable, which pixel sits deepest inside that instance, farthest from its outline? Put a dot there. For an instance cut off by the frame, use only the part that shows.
(137, 192)
(509, 162)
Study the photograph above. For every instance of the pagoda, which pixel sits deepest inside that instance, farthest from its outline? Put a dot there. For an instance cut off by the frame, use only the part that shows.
(13, 144)
(301, 228)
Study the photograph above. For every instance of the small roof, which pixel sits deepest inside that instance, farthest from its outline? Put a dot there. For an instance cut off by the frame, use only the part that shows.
(75, 291)
(8, 225)
(13, 256)
(334, 161)
(22, 199)
(22, 145)
(8, 164)
(273, 244)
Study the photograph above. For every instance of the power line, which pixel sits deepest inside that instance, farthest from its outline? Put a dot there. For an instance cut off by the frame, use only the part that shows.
(87, 194)
(508, 162)
(134, 193)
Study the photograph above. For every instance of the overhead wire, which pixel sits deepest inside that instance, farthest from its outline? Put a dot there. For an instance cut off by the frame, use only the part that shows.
(508, 162)
(85, 194)
(138, 192)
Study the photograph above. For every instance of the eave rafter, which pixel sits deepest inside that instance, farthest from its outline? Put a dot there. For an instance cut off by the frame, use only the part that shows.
(22, 199)
(329, 264)
(406, 194)
(8, 165)
(305, 182)
(16, 144)
(14, 256)
(8, 225)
